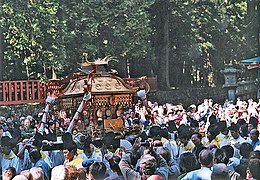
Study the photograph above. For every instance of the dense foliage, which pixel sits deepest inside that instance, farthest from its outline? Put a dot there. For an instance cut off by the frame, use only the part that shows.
(185, 43)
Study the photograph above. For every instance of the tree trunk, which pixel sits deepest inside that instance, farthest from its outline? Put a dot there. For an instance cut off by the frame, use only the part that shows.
(1, 54)
(253, 28)
(166, 49)
(258, 34)
(162, 7)
(1, 49)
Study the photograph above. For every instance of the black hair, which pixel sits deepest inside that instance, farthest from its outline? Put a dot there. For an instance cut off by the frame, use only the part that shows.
(97, 170)
(253, 121)
(66, 137)
(229, 150)
(198, 134)
(184, 131)
(98, 143)
(214, 131)
(246, 149)
(110, 141)
(115, 167)
(241, 122)
(171, 126)
(38, 140)
(49, 91)
(222, 126)
(255, 154)
(35, 155)
(70, 146)
(220, 156)
(87, 142)
(213, 120)
(51, 122)
(254, 166)
(188, 162)
(12, 170)
(5, 141)
(194, 123)
(155, 131)
(165, 133)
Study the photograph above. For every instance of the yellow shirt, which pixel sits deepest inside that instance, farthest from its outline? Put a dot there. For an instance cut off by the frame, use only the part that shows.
(216, 141)
(224, 139)
(189, 146)
(9, 156)
(77, 162)
(163, 140)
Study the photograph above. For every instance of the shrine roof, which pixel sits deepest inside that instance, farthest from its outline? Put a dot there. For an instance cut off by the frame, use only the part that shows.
(252, 62)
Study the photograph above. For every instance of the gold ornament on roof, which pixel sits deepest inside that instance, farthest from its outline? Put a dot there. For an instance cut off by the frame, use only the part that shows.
(97, 62)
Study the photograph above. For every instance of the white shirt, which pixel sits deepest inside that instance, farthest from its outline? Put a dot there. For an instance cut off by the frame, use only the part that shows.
(233, 141)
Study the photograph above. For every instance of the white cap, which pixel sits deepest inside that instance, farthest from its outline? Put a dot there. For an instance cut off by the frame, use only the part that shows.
(29, 117)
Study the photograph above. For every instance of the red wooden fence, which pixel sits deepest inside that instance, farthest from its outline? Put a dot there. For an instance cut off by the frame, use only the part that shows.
(21, 92)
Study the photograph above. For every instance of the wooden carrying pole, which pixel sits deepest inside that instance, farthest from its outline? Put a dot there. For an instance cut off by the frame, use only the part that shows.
(86, 97)
(49, 100)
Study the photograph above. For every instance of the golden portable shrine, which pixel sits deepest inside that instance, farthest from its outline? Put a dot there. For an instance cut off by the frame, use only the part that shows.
(110, 96)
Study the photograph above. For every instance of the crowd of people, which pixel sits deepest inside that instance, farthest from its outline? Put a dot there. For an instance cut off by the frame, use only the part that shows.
(204, 141)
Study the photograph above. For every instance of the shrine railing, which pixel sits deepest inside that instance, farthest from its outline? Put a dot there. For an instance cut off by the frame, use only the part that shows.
(21, 92)
(33, 91)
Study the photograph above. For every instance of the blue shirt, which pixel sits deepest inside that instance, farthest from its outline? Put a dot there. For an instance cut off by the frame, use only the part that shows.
(254, 144)
(203, 173)
(45, 167)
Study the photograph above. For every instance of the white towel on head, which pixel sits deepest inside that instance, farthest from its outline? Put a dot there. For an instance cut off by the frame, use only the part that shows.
(126, 144)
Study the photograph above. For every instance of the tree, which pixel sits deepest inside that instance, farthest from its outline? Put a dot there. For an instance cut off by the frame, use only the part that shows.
(205, 35)
(1, 44)
(100, 28)
(29, 32)
(161, 10)
(185, 43)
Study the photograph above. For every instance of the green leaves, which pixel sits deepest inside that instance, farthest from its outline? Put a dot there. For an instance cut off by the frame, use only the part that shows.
(41, 35)
(216, 28)
(30, 28)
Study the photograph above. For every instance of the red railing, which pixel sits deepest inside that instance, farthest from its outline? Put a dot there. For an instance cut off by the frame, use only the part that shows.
(21, 92)
(33, 91)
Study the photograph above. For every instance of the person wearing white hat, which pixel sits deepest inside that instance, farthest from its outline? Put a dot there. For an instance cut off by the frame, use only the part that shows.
(126, 145)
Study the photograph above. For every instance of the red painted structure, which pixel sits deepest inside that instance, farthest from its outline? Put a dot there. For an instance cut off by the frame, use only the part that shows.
(21, 92)
(34, 91)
